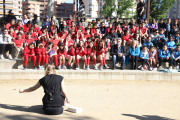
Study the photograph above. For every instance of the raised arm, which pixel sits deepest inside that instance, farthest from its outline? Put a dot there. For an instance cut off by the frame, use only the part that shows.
(35, 87)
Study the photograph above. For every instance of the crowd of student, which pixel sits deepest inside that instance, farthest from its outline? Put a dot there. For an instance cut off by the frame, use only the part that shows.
(58, 41)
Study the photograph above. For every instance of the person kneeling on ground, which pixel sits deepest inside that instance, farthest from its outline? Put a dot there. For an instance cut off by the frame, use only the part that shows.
(55, 94)
(176, 57)
(6, 44)
(118, 52)
(164, 56)
(144, 55)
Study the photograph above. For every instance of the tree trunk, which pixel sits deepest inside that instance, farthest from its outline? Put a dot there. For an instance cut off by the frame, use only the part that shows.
(50, 11)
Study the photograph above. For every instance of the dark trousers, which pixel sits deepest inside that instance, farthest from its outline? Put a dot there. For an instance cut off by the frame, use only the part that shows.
(176, 62)
(134, 60)
(6, 47)
(161, 60)
(145, 60)
(53, 110)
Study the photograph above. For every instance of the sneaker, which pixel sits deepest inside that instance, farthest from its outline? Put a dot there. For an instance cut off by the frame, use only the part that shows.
(150, 68)
(77, 67)
(10, 57)
(68, 67)
(106, 66)
(42, 67)
(1, 57)
(39, 67)
(101, 68)
(88, 67)
(170, 68)
(64, 67)
(160, 67)
(142, 68)
(177, 68)
(59, 67)
(114, 68)
(95, 67)
(20, 52)
(121, 68)
(25, 68)
(155, 68)
(34, 68)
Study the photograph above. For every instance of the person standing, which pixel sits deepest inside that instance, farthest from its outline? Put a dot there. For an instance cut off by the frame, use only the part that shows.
(10, 17)
(46, 21)
(54, 89)
(69, 20)
(141, 10)
(35, 20)
(6, 44)
(25, 19)
(118, 52)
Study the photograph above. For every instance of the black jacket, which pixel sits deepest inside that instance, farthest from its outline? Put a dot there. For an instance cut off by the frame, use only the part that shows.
(114, 50)
(111, 36)
(8, 18)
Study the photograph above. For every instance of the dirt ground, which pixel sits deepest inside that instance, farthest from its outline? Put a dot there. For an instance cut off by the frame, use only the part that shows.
(100, 100)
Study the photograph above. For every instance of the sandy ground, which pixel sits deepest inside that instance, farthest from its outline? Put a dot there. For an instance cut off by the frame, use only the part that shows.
(100, 100)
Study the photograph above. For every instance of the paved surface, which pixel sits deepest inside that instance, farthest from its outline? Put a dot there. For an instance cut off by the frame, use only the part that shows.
(100, 100)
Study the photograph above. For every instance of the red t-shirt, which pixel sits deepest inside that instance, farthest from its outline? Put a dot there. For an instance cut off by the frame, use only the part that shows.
(8, 25)
(82, 53)
(61, 35)
(16, 26)
(93, 30)
(26, 27)
(126, 37)
(13, 35)
(28, 41)
(99, 51)
(143, 30)
(133, 30)
(82, 29)
(68, 22)
(89, 51)
(108, 29)
(71, 52)
(87, 35)
(23, 36)
(28, 52)
(79, 36)
(59, 53)
(68, 43)
(18, 42)
(40, 51)
(55, 41)
(37, 30)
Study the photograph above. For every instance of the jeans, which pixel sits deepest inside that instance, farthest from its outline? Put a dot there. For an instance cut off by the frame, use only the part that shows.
(117, 58)
(161, 60)
(142, 17)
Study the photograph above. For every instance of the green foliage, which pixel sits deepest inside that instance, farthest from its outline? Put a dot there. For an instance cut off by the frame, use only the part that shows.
(108, 8)
(159, 8)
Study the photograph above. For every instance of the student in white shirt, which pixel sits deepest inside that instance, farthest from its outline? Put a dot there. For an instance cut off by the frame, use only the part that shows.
(6, 44)
(25, 19)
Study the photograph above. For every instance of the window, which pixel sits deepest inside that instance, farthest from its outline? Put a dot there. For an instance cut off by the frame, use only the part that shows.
(41, 5)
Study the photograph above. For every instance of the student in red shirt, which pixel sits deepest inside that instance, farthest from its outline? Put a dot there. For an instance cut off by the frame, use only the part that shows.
(101, 54)
(51, 33)
(36, 28)
(93, 30)
(11, 32)
(87, 41)
(61, 54)
(62, 35)
(143, 31)
(79, 25)
(27, 26)
(96, 41)
(55, 41)
(51, 53)
(133, 30)
(18, 25)
(18, 44)
(68, 42)
(29, 53)
(97, 33)
(21, 30)
(71, 56)
(28, 39)
(44, 40)
(81, 54)
(79, 35)
(40, 53)
(127, 37)
(73, 35)
(69, 21)
(87, 34)
(33, 34)
(110, 26)
(72, 26)
(44, 33)
(12, 23)
(91, 54)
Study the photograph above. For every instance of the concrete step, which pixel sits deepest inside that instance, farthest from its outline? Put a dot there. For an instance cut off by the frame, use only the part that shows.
(18, 64)
(29, 74)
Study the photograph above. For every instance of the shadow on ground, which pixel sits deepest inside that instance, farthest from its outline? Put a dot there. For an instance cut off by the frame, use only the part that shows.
(37, 109)
(148, 117)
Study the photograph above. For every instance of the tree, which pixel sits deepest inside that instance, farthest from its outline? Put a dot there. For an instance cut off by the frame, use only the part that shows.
(159, 8)
(108, 8)
(122, 7)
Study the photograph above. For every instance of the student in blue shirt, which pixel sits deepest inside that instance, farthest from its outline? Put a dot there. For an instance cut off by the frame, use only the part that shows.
(164, 56)
(176, 57)
(176, 37)
(134, 52)
(168, 27)
(148, 42)
(171, 45)
(144, 55)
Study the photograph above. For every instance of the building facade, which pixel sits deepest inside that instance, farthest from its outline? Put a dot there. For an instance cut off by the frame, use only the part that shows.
(15, 5)
(174, 11)
(40, 7)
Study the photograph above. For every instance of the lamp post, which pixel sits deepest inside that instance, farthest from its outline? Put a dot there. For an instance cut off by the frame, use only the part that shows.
(4, 9)
(148, 9)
